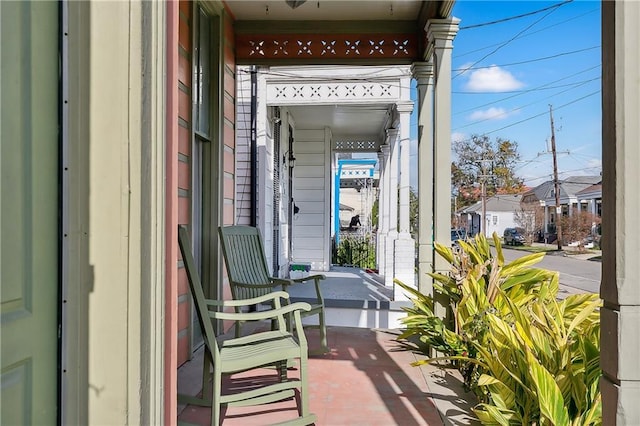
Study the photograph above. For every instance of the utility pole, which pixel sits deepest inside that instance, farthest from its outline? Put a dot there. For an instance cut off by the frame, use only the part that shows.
(555, 182)
(483, 195)
(483, 224)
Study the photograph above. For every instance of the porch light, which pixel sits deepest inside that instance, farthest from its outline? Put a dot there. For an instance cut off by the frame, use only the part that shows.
(295, 3)
(289, 159)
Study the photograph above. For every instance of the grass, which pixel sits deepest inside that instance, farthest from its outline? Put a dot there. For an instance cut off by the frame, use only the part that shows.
(530, 249)
(550, 248)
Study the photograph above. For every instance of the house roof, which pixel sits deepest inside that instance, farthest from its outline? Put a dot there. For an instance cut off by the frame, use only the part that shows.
(344, 207)
(593, 191)
(496, 203)
(569, 187)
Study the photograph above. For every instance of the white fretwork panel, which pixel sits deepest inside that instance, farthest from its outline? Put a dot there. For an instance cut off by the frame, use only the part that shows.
(302, 93)
(356, 145)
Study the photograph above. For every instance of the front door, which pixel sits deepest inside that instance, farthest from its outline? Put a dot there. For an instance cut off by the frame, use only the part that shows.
(29, 212)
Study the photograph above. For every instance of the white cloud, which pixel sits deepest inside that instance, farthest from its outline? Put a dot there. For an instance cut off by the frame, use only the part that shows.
(490, 114)
(492, 79)
(458, 136)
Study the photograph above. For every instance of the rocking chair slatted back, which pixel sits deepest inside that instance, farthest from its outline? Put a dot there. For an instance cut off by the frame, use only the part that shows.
(245, 262)
(249, 275)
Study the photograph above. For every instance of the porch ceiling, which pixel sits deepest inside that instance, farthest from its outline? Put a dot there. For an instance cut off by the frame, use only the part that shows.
(330, 10)
(352, 122)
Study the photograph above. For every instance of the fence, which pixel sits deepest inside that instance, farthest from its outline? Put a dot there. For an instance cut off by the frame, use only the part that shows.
(356, 248)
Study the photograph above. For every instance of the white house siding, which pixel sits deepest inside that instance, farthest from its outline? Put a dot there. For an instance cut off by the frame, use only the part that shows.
(311, 194)
(499, 221)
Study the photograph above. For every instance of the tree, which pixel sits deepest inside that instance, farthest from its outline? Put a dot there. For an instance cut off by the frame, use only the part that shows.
(413, 213)
(579, 226)
(375, 209)
(478, 160)
(530, 218)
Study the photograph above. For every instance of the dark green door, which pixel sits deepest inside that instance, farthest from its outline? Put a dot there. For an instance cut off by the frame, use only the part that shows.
(29, 211)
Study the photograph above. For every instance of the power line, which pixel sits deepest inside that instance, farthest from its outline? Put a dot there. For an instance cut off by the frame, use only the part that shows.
(528, 61)
(514, 109)
(508, 41)
(460, 55)
(521, 92)
(511, 18)
(534, 89)
(537, 115)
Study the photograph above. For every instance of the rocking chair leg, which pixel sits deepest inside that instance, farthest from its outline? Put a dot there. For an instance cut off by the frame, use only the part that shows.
(324, 345)
(304, 398)
(215, 403)
(206, 374)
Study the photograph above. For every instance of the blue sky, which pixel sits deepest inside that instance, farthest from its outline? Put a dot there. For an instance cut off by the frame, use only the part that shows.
(507, 73)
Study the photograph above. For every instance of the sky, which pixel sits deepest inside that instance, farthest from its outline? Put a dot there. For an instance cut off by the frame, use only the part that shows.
(513, 62)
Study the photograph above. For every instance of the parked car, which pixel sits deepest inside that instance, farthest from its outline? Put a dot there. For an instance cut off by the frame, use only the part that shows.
(513, 236)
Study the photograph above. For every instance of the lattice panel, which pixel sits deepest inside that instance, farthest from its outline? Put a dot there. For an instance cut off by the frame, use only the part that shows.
(332, 92)
(355, 145)
(258, 48)
(354, 174)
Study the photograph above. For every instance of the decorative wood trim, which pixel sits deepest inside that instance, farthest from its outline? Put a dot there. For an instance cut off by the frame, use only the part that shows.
(356, 145)
(263, 48)
(344, 92)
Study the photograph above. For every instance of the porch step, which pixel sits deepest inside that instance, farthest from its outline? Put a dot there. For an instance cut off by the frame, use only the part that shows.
(360, 313)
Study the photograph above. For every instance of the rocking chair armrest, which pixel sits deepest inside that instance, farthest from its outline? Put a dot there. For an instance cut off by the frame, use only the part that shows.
(247, 302)
(316, 281)
(316, 277)
(281, 281)
(260, 315)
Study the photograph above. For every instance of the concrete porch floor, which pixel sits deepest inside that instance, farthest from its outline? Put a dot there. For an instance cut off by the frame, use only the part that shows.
(364, 380)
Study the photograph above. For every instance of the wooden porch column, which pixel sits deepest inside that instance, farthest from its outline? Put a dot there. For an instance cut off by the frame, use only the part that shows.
(441, 33)
(391, 181)
(405, 123)
(383, 217)
(404, 249)
(620, 315)
(423, 73)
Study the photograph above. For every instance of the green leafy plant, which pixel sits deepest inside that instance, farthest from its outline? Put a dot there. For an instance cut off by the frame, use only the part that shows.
(529, 358)
(356, 250)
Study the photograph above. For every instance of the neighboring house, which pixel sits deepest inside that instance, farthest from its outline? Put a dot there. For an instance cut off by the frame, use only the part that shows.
(590, 199)
(500, 214)
(346, 213)
(119, 122)
(544, 196)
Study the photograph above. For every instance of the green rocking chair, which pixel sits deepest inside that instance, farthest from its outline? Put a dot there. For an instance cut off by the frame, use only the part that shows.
(277, 347)
(249, 277)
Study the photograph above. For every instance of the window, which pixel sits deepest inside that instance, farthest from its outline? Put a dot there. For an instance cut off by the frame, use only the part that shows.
(202, 76)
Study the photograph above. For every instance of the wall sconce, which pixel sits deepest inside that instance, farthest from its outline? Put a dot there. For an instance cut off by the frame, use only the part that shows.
(288, 159)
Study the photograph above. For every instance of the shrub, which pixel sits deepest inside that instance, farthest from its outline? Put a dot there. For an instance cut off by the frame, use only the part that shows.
(529, 358)
(356, 250)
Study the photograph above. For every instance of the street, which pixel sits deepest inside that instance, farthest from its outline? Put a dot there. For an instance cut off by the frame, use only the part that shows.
(576, 275)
